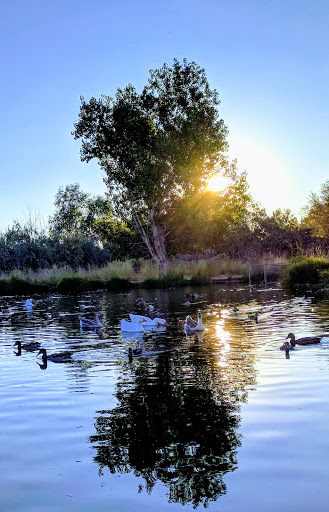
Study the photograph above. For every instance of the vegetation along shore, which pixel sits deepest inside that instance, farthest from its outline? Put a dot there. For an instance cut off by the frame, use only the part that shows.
(176, 210)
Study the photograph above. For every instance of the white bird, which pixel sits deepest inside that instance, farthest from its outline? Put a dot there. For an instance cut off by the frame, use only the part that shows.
(192, 326)
(29, 304)
(155, 322)
(131, 326)
(88, 323)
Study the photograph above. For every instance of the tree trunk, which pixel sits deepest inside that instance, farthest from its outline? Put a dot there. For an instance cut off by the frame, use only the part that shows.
(155, 241)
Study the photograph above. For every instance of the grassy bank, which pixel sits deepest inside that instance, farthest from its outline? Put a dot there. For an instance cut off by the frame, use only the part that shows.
(123, 275)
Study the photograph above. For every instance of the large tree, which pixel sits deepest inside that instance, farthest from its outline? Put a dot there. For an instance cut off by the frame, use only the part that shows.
(155, 146)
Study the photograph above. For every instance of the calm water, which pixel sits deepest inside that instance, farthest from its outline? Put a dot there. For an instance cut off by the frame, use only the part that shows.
(222, 420)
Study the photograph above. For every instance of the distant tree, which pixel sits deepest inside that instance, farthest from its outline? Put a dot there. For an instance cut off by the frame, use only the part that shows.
(316, 212)
(285, 219)
(71, 209)
(79, 215)
(155, 147)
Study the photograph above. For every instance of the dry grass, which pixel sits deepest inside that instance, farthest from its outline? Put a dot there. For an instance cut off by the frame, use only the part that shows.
(142, 270)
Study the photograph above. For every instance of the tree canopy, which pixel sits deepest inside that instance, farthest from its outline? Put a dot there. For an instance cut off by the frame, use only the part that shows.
(316, 212)
(155, 147)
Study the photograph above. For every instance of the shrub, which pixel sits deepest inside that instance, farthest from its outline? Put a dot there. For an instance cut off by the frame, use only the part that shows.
(304, 270)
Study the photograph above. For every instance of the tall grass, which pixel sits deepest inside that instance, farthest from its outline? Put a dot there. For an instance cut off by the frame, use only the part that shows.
(121, 274)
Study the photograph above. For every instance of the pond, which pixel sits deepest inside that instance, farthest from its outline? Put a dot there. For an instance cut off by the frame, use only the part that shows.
(222, 419)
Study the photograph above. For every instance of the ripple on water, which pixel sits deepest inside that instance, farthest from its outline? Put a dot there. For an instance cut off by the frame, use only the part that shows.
(103, 430)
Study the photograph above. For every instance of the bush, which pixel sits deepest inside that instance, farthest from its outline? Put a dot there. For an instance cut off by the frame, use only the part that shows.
(118, 283)
(305, 270)
(73, 284)
(167, 281)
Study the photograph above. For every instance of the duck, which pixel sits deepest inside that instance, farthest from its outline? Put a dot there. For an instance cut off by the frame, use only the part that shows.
(254, 316)
(34, 345)
(88, 323)
(131, 326)
(287, 346)
(191, 325)
(59, 357)
(192, 295)
(307, 340)
(134, 352)
(156, 322)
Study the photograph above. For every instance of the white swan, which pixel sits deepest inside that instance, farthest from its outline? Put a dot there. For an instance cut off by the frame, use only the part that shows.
(88, 323)
(131, 326)
(192, 326)
(156, 322)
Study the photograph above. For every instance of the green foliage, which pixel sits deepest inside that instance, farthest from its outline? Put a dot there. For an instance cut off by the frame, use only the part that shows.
(304, 270)
(75, 284)
(316, 212)
(155, 147)
(167, 281)
(118, 283)
(212, 221)
(324, 277)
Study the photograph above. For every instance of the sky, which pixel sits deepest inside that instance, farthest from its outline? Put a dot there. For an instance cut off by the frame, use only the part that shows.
(268, 60)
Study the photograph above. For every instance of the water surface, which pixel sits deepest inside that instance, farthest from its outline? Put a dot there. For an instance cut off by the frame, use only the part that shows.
(221, 420)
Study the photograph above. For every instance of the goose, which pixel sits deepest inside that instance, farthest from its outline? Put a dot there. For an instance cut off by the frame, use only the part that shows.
(156, 322)
(60, 357)
(88, 323)
(307, 340)
(29, 304)
(131, 326)
(191, 325)
(34, 345)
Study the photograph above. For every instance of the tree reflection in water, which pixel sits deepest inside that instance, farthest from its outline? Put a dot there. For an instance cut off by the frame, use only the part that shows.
(172, 427)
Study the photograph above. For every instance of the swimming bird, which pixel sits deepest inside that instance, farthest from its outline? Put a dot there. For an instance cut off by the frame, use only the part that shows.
(155, 322)
(191, 325)
(88, 323)
(29, 304)
(34, 345)
(131, 326)
(287, 346)
(307, 340)
(134, 352)
(254, 316)
(60, 357)
(192, 295)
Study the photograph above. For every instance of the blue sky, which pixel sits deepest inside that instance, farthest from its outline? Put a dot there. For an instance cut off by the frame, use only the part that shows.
(269, 61)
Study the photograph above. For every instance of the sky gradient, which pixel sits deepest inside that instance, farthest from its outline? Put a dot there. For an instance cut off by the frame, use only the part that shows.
(269, 62)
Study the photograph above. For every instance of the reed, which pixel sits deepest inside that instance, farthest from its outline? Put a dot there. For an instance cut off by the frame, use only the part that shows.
(122, 275)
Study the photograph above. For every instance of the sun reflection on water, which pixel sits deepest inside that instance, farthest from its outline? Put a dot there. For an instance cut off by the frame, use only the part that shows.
(223, 336)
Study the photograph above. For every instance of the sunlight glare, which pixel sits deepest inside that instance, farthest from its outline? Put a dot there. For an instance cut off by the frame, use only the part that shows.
(217, 183)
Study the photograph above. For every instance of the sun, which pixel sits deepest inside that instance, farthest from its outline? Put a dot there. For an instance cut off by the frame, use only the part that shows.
(217, 183)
